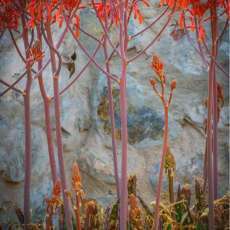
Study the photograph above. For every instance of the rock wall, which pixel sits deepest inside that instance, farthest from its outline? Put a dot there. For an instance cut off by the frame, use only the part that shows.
(85, 123)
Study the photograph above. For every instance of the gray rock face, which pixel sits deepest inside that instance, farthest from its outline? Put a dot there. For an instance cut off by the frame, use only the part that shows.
(143, 121)
(86, 125)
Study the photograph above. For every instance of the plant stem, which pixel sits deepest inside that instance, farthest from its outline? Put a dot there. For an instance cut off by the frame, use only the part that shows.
(124, 138)
(27, 125)
(123, 115)
(46, 102)
(163, 153)
(58, 128)
(212, 120)
(111, 111)
(12, 86)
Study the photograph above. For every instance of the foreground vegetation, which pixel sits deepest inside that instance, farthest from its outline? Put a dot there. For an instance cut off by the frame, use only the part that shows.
(189, 211)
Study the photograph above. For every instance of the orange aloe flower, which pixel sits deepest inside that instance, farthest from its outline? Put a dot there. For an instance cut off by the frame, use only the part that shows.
(158, 66)
(76, 180)
(35, 52)
(55, 201)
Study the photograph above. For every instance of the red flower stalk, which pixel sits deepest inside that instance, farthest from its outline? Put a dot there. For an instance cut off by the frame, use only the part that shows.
(111, 107)
(158, 67)
(56, 70)
(27, 116)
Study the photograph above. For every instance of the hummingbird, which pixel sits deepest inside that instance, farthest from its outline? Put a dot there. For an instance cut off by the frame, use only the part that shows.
(71, 64)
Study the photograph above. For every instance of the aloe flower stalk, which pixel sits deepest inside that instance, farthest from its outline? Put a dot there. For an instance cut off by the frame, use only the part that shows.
(57, 103)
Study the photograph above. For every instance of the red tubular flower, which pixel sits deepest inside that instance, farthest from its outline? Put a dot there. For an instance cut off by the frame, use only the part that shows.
(103, 8)
(199, 9)
(77, 26)
(35, 9)
(137, 14)
(183, 4)
(181, 20)
(59, 17)
(49, 11)
(70, 4)
(136, 11)
(201, 33)
(113, 12)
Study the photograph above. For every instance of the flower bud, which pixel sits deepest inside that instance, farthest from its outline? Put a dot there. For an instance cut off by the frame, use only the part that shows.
(157, 64)
(153, 82)
(173, 85)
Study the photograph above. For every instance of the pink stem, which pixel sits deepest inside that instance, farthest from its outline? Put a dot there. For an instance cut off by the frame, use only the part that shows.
(57, 102)
(18, 50)
(46, 101)
(163, 153)
(16, 46)
(111, 54)
(27, 123)
(210, 153)
(223, 31)
(11, 86)
(215, 61)
(111, 112)
(90, 35)
(123, 115)
(215, 147)
(214, 29)
(124, 139)
(211, 122)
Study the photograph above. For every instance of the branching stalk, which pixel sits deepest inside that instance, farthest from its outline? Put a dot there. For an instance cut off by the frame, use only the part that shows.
(57, 103)
(46, 101)
(27, 124)
(111, 111)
